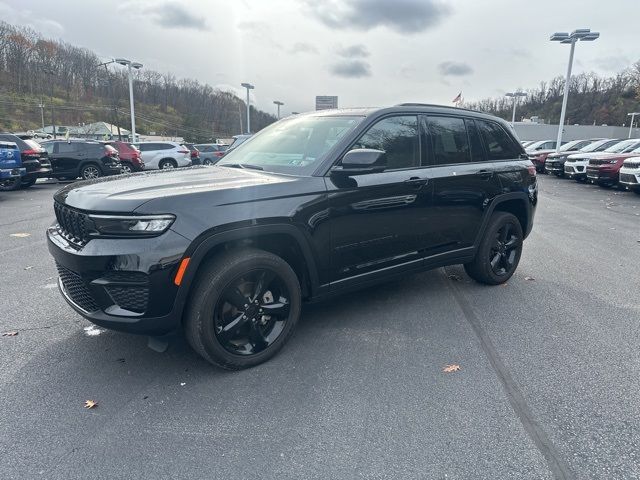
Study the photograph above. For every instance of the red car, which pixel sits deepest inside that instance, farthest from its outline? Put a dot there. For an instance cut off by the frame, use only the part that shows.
(129, 156)
(604, 169)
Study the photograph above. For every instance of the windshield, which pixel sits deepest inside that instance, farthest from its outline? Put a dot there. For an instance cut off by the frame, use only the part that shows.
(620, 146)
(533, 145)
(632, 148)
(596, 146)
(295, 146)
(573, 145)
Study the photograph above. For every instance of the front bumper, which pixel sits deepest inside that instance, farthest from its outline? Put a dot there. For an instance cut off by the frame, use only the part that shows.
(121, 284)
(630, 179)
(599, 175)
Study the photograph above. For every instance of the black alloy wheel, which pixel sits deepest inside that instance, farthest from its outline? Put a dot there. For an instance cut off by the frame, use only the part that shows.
(499, 251)
(243, 306)
(252, 312)
(90, 171)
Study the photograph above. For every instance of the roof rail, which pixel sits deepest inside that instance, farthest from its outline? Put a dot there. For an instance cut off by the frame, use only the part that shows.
(417, 104)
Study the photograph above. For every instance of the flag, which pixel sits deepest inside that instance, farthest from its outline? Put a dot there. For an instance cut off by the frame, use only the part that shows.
(458, 98)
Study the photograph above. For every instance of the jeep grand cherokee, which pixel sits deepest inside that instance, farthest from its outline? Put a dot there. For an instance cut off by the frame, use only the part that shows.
(314, 205)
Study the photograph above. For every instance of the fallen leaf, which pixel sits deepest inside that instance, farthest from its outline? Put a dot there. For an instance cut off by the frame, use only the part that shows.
(90, 404)
(529, 278)
(10, 334)
(20, 235)
(29, 267)
(455, 278)
(504, 284)
(145, 397)
(121, 360)
(451, 368)
(182, 384)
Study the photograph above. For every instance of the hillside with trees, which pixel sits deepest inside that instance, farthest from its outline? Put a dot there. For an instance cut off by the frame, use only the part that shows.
(592, 99)
(38, 71)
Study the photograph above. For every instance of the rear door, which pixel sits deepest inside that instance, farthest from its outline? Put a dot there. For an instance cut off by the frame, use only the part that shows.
(464, 181)
(65, 159)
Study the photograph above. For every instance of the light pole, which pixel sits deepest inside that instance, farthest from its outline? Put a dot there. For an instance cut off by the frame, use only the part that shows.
(51, 73)
(248, 86)
(583, 34)
(633, 117)
(515, 96)
(129, 64)
(279, 104)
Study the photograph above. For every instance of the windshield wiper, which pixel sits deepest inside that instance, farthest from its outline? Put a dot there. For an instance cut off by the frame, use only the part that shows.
(242, 165)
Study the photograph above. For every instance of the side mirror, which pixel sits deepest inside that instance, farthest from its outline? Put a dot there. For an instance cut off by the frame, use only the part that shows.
(361, 161)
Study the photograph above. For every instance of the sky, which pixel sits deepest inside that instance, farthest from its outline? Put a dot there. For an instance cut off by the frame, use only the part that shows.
(367, 52)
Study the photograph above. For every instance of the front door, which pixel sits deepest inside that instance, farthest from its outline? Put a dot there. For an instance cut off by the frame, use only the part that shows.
(378, 220)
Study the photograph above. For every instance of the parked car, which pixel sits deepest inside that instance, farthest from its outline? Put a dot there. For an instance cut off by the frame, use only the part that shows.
(314, 205)
(11, 169)
(35, 159)
(541, 145)
(239, 140)
(210, 153)
(539, 157)
(554, 162)
(130, 157)
(630, 174)
(164, 155)
(195, 153)
(576, 164)
(605, 170)
(86, 159)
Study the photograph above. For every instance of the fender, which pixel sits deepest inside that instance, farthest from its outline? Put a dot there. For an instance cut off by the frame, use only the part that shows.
(201, 247)
(522, 196)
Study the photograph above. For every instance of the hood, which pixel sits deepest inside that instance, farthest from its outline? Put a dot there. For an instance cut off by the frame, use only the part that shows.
(563, 154)
(125, 193)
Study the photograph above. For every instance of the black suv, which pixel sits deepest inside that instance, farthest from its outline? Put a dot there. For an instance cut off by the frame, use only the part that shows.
(312, 206)
(86, 159)
(34, 159)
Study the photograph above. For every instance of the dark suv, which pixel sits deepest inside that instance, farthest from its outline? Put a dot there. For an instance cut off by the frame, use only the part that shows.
(312, 206)
(34, 159)
(86, 159)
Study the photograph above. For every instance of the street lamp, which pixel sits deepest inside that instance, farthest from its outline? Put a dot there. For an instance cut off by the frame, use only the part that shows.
(51, 73)
(279, 104)
(633, 117)
(515, 96)
(248, 86)
(583, 34)
(129, 64)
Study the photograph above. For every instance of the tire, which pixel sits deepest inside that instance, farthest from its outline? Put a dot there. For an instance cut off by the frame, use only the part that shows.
(167, 164)
(90, 171)
(10, 184)
(216, 328)
(503, 229)
(126, 168)
(207, 161)
(29, 183)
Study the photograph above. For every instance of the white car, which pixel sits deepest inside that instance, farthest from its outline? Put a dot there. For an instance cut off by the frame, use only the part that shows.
(576, 165)
(630, 174)
(164, 155)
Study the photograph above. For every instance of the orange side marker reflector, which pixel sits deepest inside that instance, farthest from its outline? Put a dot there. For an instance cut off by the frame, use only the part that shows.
(181, 269)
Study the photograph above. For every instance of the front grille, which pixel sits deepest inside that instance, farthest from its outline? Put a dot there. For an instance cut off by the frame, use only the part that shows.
(631, 164)
(628, 178)
(72, 224)
(596, 161)
(76, 289)
(568, 169)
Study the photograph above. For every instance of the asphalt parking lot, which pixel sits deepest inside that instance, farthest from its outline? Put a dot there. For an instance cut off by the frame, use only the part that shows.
(548, 386)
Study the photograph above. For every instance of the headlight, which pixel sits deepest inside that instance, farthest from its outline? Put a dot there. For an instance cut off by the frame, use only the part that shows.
(612, 161)
(130, 225)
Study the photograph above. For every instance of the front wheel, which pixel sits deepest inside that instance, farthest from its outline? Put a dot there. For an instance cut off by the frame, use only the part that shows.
(167, 164)
(126, 168)
(499, 252)
(244, 307)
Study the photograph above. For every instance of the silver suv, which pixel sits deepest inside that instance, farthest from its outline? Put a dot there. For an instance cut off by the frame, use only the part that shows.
(163, 155)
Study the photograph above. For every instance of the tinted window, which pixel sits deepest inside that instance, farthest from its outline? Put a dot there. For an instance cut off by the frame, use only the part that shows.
(48, 147)
(64, 147)
(398, 137)
(499, 144)
(449, 140)
(165, 146)
(477, 151)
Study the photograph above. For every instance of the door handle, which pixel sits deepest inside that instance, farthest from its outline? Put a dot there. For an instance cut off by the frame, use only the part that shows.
(416, 181)
(485, 173)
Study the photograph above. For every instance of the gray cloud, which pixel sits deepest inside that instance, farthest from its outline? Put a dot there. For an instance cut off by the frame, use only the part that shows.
(174, 15)
(351, 69)
(614, 63)
(353, 51)
(303, 47)
(402, 16)
(456, 69)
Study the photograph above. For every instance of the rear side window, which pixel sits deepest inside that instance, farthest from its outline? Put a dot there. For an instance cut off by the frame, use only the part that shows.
(500, 145)
(64, 147)
(398, 137)
(165, 146)
(449, 140)
(477, 151)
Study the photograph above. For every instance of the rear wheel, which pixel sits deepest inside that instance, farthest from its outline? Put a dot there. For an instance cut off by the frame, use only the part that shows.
(243, 308)
(499, 252)
(207, 161)
(167, 164)
(90, 171)
(10, 184)
(29, 182)
(126, 167)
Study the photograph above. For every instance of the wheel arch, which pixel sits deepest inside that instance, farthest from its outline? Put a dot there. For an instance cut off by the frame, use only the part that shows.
(516, 203)
(286, 241)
